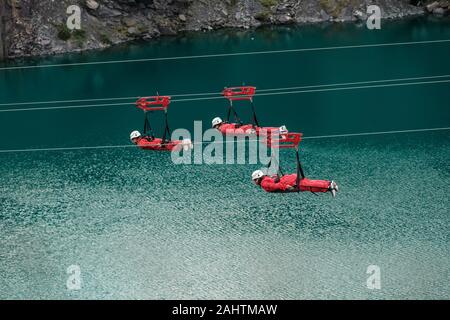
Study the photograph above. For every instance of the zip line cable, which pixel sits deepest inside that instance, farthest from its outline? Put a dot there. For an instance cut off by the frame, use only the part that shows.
(68, 107)
(322, 90)
(219, 93)
(203, 96)
(224, 142)
(65, 101)
(107, 99)
(356, 83)
(220, 97)
(219, 55)
(375, 133)
(353, 88)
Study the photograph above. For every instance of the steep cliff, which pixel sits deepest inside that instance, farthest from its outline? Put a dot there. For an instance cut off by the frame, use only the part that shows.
(38, 27)
(4, 14)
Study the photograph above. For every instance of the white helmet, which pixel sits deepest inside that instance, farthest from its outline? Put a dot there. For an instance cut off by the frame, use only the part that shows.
(134, 135)
(283, 130)
(257, 174)
(216, 121)
(187, 144)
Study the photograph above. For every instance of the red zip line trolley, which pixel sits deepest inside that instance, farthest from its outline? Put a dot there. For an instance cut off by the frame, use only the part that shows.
(243, 93)
(147, 140)
(284, 141)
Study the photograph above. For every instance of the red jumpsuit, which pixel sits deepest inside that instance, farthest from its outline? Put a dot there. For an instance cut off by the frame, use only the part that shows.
(156, 144)
(269, 184)
(234, 128)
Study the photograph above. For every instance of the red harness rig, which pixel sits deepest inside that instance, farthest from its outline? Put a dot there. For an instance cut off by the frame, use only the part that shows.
(299, 182)
(287, 141)
(148, 141)
(243, 93)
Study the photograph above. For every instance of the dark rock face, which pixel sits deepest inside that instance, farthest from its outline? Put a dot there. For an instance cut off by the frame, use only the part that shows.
(38, 26)
(2, 41)
(3, 30)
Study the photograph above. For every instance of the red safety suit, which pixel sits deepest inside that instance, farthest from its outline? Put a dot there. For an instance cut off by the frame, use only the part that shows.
(273, 184)
(236, 129)
(156, 144)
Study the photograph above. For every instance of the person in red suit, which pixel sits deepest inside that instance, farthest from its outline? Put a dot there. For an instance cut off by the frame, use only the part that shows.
(288, 183)
(148, 143)
(237, 129)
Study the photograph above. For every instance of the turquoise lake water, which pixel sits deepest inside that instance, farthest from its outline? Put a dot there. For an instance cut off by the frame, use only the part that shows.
(141, 227)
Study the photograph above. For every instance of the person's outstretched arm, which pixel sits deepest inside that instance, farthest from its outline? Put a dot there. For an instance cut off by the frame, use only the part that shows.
(269, 185)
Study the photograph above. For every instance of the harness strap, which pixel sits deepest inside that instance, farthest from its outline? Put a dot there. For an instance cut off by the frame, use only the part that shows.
(255, 119)
(236, 117)
(299, 171)
(148, 131)
(279, 171)
(166, 129)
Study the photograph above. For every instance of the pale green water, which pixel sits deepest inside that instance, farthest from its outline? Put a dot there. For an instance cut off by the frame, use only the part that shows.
(140, 227)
